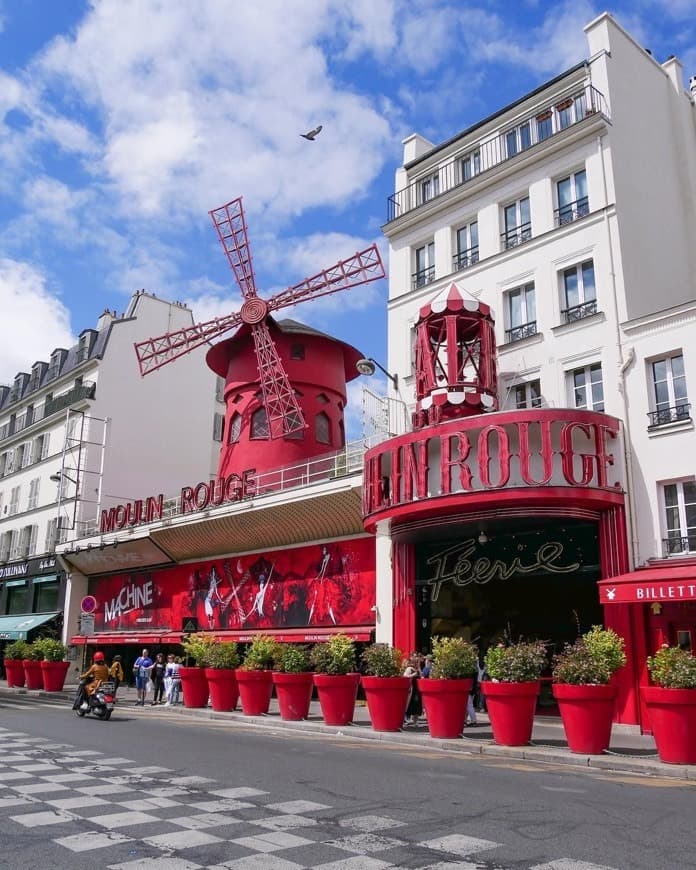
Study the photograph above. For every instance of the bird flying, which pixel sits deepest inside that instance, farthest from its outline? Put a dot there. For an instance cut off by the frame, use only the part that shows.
(312, 135)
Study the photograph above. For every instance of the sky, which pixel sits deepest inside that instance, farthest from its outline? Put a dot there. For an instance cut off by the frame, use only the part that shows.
(124, 122)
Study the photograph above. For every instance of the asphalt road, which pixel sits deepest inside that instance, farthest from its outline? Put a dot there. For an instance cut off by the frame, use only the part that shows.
(176, 793)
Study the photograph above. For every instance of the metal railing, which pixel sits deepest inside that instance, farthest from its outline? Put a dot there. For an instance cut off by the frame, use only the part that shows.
(516, 235)
(77, 394)
(573, 211)
(464, 259)
(579, 312)
(676, 414)
(425, 276)
(517, 333)
(675, 545)
(493, 151)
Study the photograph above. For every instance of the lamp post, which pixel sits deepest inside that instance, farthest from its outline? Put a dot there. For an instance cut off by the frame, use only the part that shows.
(367, 367)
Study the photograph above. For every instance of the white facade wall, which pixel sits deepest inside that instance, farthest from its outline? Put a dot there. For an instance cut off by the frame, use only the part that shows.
(639, 156)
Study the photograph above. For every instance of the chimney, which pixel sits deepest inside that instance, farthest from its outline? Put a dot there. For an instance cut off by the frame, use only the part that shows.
(105, 318)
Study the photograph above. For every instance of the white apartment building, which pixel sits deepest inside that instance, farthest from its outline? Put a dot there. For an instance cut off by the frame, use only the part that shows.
(82, 431)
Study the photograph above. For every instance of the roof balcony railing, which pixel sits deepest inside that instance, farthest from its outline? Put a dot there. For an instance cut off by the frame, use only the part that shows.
(547, 120)
(78, 393)
(680, 413)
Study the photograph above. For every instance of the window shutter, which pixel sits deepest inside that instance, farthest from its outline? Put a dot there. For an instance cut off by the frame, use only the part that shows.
(33, 539)
(218, 425)
(44, 445)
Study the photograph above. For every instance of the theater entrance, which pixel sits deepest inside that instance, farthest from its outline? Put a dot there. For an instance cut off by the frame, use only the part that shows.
(536, 580)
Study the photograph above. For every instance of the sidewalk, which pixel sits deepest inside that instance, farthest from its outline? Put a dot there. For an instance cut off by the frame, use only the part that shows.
(630, 751)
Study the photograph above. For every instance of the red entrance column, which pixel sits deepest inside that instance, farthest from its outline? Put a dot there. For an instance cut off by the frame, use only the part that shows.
(404, 595)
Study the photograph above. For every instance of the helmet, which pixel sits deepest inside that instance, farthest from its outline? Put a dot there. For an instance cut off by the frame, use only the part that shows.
(98, 656)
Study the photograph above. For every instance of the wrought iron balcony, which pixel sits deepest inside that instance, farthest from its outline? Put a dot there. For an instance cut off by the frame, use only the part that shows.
(676, 545)
(525, 330)
(573, 211)
(579, 312)
(76, 394)
(479, 157)
(516, 236)
(677, 414)
(464, 259)
(425, 276)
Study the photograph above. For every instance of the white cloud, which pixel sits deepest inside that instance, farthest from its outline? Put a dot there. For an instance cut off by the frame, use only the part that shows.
(33, 322)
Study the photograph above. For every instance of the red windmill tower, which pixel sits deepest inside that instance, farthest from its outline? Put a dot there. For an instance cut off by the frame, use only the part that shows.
(256, 360)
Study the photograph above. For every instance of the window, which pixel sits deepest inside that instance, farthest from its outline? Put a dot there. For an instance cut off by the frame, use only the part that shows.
(669, 391)
(5, 544)
(579, 292)
(588, 391)
(4, 464)
(520, 308)
(218, 427)
(14, 544)
(45, 595)
(571, 193)
(471, 165)
(219, 389)
(34, 493)
(297, 351)
(527, 395)
(323, 399)
(19, 457)
(518, 225)
(430, 187)
(341, 433)
(544, 125)
(322, 428)
(680, 517)
(467, 246)
(235, 429)
(14, 499)
(27, 541)
(425, 265)
(54, 535)
(565, 113)
(28, 453)
(518, 139)
(259, 424)
(16, 597)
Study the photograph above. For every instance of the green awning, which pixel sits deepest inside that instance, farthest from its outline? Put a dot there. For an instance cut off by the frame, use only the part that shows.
(17, 627)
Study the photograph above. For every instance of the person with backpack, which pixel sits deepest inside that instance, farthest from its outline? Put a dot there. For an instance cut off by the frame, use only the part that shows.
(141, 672)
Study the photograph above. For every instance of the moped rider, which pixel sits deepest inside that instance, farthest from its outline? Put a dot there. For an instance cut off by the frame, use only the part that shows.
(92, 678)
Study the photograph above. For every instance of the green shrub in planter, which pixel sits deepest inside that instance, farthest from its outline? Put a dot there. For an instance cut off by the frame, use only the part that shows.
(592, 660)
(382, 660)
(17, 651)
(222, 656)
(35, 651)
(335, 656)
(198, 647)
(51, 650)
(453, 659)
(261, 654)
(520, 662)
(673, 668)
(291, 658)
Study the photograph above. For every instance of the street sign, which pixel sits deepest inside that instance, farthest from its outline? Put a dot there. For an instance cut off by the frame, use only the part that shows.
(86, 624)
(189, 624)
(88, 604)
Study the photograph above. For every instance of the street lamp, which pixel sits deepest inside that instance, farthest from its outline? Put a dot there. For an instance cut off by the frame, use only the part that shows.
(367, 367)
(59, 475)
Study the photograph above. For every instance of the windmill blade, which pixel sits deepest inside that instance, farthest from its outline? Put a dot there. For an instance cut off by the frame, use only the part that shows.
(284, 413)
(156, 352)
(361, 268)
(230, 224)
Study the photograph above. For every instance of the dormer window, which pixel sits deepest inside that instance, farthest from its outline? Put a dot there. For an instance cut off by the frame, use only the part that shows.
(297, 351)
(259, 424)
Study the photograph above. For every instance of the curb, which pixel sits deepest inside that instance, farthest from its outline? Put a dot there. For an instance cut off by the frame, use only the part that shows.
(538, 754)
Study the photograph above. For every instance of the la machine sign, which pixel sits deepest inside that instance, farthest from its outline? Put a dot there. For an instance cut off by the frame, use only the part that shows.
(215, 492)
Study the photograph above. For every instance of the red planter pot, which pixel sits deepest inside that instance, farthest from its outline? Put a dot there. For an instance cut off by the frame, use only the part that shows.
(224, 692)
(294, 693)
(387, 699)
(14, 669)
(337, 694)
(255, 690)
(511, 709)
(445, 706)
(194, 686)
(32, 674)
(587, 713)
(673, 721)
(53, 675)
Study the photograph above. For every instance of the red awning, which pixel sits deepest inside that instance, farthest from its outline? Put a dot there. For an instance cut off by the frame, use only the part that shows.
(115, 638)
(299, 635)
(664, 583)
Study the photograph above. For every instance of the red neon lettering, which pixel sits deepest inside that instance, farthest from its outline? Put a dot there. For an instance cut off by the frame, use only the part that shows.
(187, 503)
(526, 456)
(447, 463)
(484, 456)
(568, 454)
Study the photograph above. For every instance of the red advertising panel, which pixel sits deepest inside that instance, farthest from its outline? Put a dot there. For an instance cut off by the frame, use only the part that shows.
(320, 585)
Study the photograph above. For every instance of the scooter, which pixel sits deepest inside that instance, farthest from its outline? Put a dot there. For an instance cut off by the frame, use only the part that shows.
(99, 703)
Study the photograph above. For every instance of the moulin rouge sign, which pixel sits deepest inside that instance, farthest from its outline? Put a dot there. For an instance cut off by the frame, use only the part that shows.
(234, 487)
(540, 448)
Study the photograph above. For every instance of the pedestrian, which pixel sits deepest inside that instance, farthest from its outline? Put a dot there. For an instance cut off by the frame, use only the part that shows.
(427, 667)
(172, 680)
(480, 698)
(116, 673)
(470, 708)
(141, 672)
(157, 674)
(414, 708)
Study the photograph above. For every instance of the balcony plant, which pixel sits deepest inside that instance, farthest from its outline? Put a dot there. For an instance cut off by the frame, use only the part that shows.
(221, 660)
(255, 677)
(54, 668)
(514, 671)
(193, 680)
(386, 690)
(581, 685)
(293, 681)
(446, 692)
(32, 666)
(15, 653)
(671, 704)
(336, 679)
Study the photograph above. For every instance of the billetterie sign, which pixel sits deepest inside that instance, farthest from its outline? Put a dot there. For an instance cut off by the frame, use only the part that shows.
(203, 495)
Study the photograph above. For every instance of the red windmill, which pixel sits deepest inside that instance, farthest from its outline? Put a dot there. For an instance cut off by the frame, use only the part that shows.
(284, 413)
